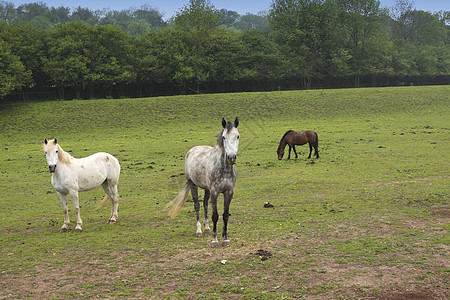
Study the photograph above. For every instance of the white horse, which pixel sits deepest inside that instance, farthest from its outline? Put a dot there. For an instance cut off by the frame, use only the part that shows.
(212, 169)
(71, 175)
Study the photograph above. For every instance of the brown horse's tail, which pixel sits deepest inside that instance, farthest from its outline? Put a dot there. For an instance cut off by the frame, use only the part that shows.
(177, 203)
(316, 145)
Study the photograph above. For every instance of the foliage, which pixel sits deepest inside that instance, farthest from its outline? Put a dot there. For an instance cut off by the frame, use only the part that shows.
(297, 44)
(14, 74)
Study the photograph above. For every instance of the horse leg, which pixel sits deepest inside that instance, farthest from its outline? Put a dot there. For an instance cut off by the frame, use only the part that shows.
(205, 207)
(63, 198)
(194, 193)
(110, 189)
(76, 209)
(289, 155)
(215, 218)
(226, 213)
(310, 150)
(295, 152)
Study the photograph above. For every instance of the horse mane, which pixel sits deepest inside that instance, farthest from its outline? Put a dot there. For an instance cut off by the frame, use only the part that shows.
(63, 156)
(281, 141)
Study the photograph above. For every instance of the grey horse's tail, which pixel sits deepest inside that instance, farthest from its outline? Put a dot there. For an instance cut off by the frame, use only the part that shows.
(177, 203)
(103, 202)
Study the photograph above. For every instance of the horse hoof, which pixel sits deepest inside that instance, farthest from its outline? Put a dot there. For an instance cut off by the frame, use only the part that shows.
(207, 230)
(199, 234)
(215, 244)
(78, 230)
(112, 221)
(226, 243)
(63, 230)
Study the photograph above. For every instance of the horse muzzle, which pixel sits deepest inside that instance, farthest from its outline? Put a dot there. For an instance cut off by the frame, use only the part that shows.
(52, 168)
(232, 159)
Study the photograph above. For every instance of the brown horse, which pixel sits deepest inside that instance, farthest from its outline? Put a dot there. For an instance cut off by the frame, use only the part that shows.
(293, 138)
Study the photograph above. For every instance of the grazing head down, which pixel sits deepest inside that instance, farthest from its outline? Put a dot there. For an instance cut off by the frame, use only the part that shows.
(280, 150)
(229, 139)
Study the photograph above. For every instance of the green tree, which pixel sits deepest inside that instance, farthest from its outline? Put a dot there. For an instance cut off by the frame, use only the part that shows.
(368, 40)
(197, 23)
(14, 75)
(68, 57)
(251, 21)
(27, 12)
(28, 43)
(110, 58)
(152, 16)
(260, 57)
(309, 35)
(8, 12)
(85, 15)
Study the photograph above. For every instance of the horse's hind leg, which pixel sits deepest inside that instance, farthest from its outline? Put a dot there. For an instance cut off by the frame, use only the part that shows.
(110, 189)
(205, 208)
(63, 198)
(194, 193)
(310, 150)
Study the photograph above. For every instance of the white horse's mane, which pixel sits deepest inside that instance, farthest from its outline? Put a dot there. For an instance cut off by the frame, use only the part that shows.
(63, 156)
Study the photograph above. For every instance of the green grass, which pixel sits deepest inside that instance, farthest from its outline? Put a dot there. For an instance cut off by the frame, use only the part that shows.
(368, 218)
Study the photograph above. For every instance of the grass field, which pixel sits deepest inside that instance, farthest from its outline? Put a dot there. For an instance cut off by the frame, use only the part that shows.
(369, 219)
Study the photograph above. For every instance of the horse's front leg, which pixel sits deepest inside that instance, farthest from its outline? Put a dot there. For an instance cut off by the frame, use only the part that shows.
(63, 198)
(289, 155)
(226, 213)
(205, 208)
(215, 218)
(295, 152)
(76, 209)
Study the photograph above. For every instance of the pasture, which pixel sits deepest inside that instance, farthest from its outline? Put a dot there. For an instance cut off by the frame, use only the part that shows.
(368, 219)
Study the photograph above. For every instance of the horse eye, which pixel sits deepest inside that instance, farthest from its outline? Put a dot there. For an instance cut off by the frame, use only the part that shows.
(223, 137)
(56, 151)
(237, 137)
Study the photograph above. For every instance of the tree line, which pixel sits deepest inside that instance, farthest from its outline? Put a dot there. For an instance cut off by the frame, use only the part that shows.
(55, 53)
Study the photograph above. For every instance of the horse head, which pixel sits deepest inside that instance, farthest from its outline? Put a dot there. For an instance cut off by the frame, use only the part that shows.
(51, 154)
(230, 140)
(280, 153)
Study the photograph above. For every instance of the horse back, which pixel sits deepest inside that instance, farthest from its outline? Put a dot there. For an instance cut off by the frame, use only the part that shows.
(99, 165)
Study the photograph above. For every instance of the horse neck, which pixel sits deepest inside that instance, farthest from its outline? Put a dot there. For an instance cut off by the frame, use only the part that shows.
(219, 151)
(283, 143)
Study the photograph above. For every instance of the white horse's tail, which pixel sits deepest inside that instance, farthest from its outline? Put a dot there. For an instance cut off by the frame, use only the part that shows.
(103, 202)
(178, 202)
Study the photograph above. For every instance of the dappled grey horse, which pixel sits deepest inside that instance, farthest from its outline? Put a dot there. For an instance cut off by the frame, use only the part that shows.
(212, 169)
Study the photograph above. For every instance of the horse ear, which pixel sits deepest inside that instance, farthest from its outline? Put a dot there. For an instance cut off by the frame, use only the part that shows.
(236, 122)
(224, 123)
(56, 141)
(45, 141)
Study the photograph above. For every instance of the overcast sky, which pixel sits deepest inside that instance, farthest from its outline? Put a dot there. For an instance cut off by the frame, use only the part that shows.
(169, 7)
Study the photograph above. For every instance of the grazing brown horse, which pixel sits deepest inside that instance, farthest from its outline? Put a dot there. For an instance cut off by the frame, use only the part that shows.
(293, 138)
